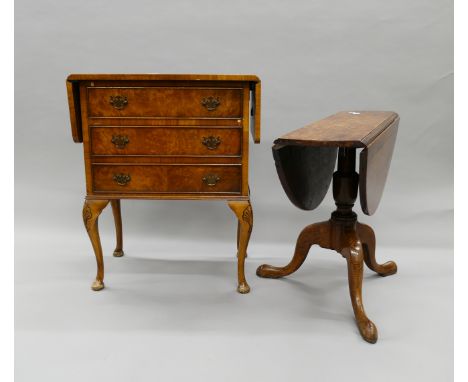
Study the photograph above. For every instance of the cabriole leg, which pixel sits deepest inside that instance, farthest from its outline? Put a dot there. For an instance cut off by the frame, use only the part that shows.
(367, 236)
(91, 211)
(243, 211)
(318, 233)
(355, 258)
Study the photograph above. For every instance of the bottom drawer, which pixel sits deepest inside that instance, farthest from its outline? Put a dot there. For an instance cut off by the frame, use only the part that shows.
(167, 178)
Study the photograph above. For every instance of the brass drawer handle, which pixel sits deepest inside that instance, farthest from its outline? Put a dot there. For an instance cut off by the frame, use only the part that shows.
(122, 179)
(118, 102)
(211, 179)
(211, 103)
(120, 141)
(211, 142)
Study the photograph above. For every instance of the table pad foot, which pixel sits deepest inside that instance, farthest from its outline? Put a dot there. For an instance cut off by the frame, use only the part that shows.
(118, 253)
(97, 285)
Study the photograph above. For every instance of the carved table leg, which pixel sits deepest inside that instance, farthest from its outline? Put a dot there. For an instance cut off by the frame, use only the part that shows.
(243, 211)
(91, 211)
(118, 252)
(367, 236)
(355, 257)
(318, 233)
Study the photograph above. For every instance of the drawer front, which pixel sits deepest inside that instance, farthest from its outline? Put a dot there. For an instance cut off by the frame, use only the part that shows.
(165, 141)
(167, 178)
(165, 102)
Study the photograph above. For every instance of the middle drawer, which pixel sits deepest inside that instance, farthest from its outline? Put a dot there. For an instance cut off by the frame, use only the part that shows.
(151, 140)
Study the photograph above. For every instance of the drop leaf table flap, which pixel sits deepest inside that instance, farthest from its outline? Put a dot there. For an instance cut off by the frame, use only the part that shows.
(305, 158)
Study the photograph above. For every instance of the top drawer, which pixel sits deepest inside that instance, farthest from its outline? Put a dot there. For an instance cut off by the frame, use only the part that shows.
(171, 102)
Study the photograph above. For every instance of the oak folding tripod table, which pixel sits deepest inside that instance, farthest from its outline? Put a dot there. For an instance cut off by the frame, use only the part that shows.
(305, 160)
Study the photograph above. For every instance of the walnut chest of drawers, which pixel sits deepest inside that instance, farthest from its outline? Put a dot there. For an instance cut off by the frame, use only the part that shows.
(163, 136)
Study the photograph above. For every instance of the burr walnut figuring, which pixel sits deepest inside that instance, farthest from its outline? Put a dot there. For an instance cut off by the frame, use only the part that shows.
(156, 136)
(305, 160)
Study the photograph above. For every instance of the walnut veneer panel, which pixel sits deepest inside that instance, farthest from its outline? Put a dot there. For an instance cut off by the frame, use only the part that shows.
(73, 93)
(145, 140)
(343, 129)
(305, 157)
(163, 77)
(168, 102)
(175, 137)
(220, 80)
(167, 178)
(374, 164)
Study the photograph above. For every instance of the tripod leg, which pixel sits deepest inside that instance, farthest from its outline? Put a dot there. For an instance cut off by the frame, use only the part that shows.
(318, 233)
(354, 256)
(367, 236)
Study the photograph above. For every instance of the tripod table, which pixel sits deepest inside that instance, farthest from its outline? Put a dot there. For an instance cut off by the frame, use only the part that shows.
(305, 161)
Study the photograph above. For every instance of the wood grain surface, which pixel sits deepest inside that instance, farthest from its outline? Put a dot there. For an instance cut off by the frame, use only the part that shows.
(374, 164)
(343, 129)
(175, 137)
(343, 234)
(171, 140)
(168, 102)
(306, 175)
(305, 172)
(167, 178)
(152, 79)
(161, 77)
